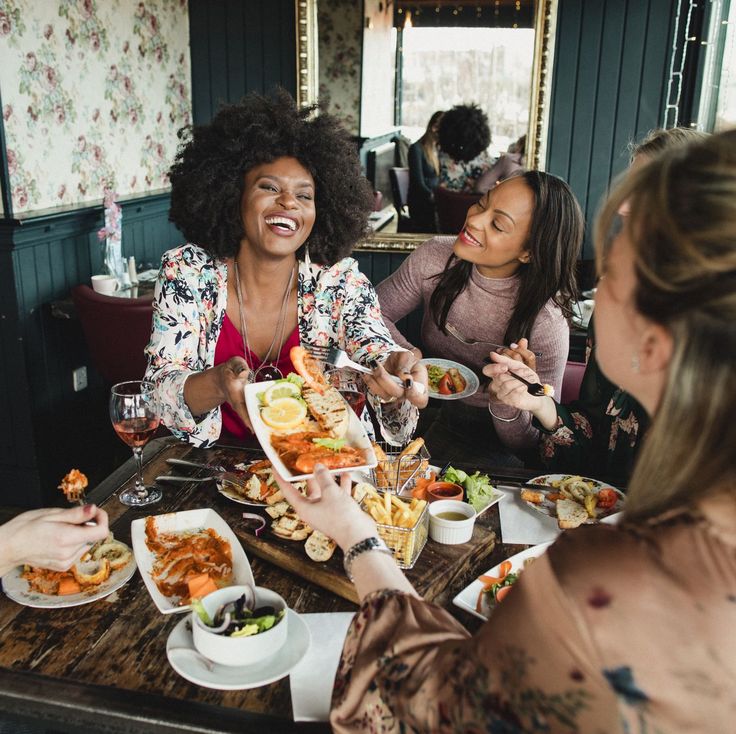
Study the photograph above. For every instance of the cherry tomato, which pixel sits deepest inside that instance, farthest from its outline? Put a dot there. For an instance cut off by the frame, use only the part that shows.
(445, 386)
(607, 498)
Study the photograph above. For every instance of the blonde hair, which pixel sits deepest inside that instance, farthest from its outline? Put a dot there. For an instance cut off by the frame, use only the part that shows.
(428, 141)
(661, 139)
(682, 225)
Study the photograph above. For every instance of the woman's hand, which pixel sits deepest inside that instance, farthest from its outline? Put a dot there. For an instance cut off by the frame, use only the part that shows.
(506, 389)
(407, 368)
(52, 538)
(521, 353)
(329, 508)
(232, 377)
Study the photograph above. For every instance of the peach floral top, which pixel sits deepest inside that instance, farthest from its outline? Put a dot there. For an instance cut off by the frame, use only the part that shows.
(627, 629)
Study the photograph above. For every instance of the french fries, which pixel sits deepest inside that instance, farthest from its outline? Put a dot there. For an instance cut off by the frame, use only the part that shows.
(394, 471)
(398, 523)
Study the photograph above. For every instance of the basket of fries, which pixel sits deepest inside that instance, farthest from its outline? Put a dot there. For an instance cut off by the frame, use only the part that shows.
(398, 467)
(402, 523)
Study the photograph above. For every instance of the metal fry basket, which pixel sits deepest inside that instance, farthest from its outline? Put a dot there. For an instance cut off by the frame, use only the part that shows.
(395, 472)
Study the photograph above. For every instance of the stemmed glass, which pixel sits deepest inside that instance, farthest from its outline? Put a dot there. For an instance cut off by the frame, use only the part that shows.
(350, 385)
(134, 416)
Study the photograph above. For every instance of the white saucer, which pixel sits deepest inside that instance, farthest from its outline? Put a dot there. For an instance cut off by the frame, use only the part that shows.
(227, 678)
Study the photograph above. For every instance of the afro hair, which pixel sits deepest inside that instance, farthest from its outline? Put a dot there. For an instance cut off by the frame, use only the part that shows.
(464, 132)
(208, 174)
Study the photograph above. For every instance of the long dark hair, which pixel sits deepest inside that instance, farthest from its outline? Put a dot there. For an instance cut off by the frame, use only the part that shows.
(555, 237)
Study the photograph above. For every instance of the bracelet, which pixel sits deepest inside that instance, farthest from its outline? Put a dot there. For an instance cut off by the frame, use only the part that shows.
(369, 544)
(503, 420)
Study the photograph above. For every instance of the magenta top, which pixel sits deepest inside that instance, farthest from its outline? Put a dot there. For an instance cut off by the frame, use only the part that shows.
(230, 344)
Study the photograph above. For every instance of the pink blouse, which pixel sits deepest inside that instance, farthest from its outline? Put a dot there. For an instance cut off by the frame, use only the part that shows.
(230, 344)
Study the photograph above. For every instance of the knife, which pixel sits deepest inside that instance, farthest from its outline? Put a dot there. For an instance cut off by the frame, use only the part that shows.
(525, 485)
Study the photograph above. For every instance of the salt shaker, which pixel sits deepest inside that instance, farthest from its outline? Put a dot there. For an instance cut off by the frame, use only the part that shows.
(132, 272)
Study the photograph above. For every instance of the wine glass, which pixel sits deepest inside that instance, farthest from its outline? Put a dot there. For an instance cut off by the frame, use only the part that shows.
(350, 385)
(134, 416)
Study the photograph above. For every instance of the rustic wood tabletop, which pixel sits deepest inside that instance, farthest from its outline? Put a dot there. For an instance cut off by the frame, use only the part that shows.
(102, 667)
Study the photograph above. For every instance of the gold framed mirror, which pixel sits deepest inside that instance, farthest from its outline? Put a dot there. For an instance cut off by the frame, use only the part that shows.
(545, 20)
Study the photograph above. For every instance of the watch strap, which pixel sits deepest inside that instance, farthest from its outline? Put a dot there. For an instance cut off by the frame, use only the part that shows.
(368, 544)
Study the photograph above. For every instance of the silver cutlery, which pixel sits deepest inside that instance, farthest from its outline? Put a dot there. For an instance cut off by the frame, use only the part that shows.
(177, 479)
(218, 472)
(338, 358)
(533, 388)
(470, 341)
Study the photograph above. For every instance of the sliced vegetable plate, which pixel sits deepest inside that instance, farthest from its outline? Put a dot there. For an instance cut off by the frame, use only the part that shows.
(228, 489)
(549, 507)
(355, 436)
(179, 522)
(472, 383)
(467, 599)
(18, 589)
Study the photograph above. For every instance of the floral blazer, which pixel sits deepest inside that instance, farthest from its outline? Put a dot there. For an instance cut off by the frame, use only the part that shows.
(600, 433)
(337, 306)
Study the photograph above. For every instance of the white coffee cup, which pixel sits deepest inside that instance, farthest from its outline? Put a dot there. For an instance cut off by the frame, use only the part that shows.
(105, 284)
(585, 310)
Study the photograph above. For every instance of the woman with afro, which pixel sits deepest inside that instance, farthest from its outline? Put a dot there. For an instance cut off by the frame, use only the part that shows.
(271, 200)
(464, 136)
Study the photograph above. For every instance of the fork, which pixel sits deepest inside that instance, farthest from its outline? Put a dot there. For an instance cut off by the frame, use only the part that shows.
(469, 341)
(217, 471)
(339, 358)
(533, 388)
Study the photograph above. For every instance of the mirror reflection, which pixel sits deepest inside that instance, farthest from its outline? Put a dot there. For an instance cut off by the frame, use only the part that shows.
(417, 60)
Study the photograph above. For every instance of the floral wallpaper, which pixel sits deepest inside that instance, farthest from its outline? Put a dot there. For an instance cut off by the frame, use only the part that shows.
(340, 32)
(93, 94)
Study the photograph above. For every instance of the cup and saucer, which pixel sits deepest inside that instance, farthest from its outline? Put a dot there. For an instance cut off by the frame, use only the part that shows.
(195, 669)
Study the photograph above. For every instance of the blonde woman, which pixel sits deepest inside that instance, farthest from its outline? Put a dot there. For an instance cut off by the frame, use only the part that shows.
(614, 629)
(424, 171)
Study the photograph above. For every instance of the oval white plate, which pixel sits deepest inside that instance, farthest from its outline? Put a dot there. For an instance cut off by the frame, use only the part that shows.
(228, 678)
(468, 597)
(548, 508)
(472, 383)
(18, 589)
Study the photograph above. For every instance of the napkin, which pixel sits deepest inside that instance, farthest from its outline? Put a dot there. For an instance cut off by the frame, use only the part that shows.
(520, 525)
(312, 680)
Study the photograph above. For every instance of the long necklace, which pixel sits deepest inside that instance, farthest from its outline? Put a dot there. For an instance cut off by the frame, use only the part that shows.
(268, 369)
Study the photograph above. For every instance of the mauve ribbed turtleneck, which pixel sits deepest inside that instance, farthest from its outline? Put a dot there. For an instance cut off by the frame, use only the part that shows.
(481, 311)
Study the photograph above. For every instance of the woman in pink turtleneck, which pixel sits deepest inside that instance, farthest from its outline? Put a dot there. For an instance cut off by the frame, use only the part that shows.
(508, 276)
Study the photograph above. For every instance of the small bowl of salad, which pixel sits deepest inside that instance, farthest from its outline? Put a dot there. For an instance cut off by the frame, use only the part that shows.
(239, 625)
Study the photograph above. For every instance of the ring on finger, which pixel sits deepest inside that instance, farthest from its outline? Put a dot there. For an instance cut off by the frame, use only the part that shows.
(385, 401)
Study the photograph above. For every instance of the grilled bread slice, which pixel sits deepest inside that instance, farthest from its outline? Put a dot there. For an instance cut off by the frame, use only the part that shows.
(570, 514)
(319, 547)
(329, 410)
(532, 495)
(291, 527)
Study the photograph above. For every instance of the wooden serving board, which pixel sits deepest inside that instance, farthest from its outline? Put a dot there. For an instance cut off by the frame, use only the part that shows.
(435, 570)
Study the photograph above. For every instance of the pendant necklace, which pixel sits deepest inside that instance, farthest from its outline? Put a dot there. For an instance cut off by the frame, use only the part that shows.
(268, 369)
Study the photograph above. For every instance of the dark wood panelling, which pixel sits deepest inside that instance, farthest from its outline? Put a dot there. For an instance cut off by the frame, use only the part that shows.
(239, 46)
(51, 428)
(609, 85)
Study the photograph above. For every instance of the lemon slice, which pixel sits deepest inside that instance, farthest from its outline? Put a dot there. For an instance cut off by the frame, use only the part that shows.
(281, 390)
(284, 413)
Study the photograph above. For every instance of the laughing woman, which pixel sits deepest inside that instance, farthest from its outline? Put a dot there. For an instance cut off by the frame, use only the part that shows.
(274, 200)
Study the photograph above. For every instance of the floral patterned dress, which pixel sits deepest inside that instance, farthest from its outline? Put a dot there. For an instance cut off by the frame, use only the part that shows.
(598, 434)
(614, 629)
(463, 175)
(337, 306)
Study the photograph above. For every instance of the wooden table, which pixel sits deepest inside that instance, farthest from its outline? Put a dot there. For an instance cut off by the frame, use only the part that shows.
(102, 667)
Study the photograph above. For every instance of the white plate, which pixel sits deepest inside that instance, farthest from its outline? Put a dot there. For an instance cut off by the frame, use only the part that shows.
(176, 522)
(471, 379)
(468, 597)
(228, 678)
(549, 508)
(18, 589)
(355, 436)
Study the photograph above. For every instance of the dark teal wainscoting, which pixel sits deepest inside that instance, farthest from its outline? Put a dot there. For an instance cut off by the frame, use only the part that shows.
(239, 46)
(47, 428)
(609, 87)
